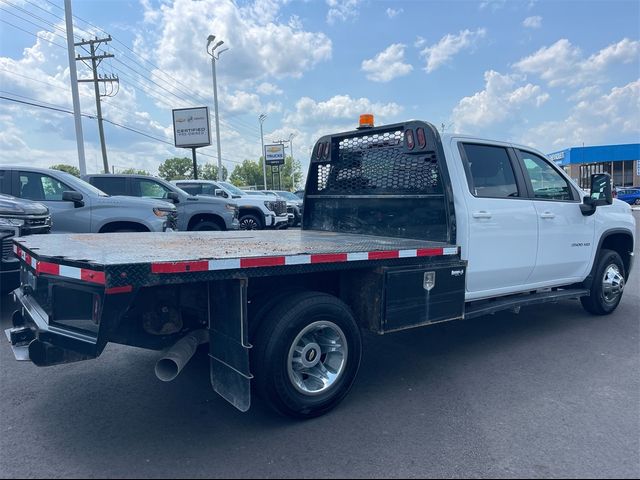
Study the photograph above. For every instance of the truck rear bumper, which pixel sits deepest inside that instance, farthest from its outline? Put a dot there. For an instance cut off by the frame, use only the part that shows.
(33, 339)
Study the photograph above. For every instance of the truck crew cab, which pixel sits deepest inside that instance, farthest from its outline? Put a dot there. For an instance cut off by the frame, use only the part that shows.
(402, 228)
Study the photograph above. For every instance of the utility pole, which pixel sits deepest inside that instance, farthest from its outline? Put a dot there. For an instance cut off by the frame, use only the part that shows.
(97, 80)
(261, 119)
(73, 74)
(290, 140)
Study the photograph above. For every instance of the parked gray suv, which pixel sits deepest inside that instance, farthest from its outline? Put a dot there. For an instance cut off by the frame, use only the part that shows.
(78, 207)
(194, 213)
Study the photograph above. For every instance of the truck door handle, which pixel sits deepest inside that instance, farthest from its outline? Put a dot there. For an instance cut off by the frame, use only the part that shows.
(547, 215)
(481, 214)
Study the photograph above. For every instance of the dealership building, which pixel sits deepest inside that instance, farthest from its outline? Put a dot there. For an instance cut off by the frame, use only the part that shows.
(622, 162)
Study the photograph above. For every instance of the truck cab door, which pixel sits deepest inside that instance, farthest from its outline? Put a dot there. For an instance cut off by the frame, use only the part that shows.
(502, 225)
(566, 236)
(66, 217)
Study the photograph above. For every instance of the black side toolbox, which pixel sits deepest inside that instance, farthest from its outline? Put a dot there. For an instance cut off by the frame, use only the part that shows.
(389, 299)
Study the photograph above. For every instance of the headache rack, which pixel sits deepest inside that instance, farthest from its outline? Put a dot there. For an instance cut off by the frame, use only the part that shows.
(390, 181)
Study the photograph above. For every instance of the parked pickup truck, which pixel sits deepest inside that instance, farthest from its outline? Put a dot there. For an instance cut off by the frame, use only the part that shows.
(256, 213)
(78, 207)
(17, 218)
(402, 228)
(194, 213)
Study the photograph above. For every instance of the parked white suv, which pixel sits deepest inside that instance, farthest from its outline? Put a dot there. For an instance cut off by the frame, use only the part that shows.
(256, 212)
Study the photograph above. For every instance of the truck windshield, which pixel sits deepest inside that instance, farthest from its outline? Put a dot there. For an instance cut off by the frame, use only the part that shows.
(288, 195)
(80, 184)
(233, 189)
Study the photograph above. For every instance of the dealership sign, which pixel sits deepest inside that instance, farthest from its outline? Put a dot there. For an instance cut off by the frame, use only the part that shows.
(191, 127)
(274, 154)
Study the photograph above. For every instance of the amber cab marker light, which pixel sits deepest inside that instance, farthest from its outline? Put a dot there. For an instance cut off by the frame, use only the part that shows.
(366, 121)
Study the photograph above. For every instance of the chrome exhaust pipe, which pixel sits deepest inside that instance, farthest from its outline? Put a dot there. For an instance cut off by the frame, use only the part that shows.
(169, 366)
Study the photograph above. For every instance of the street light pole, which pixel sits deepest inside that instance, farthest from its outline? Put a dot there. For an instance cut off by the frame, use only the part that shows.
(215, 57)
(293, 174)
(261, 119)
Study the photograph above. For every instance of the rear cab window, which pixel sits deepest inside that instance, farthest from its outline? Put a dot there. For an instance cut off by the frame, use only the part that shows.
(490, 171)
(111, 185)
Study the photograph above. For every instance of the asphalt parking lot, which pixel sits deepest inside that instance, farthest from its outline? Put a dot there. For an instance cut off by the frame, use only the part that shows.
(552, 391)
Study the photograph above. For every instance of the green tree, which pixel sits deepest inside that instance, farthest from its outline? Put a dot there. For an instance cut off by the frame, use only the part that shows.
(182, 169)
(134, 171)
(249, 173)
(67, 168)
(209, 171)
(176, 169)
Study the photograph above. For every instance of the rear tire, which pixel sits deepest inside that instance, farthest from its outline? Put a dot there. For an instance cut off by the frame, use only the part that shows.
(637, 202)
(608, 284)
(306, 355)
(206, 226)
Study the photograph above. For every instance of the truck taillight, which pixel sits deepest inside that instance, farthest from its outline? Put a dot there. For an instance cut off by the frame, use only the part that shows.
(409, 140)
(422, 139)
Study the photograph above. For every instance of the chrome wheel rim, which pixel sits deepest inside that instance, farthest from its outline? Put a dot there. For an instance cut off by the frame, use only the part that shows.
(248, 224)
(612, 283)
(317, 358)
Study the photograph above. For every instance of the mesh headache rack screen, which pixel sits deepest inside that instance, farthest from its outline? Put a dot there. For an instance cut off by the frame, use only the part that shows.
(371, 183)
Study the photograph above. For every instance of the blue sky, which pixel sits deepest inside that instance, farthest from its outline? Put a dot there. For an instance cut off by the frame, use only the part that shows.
(548, 74)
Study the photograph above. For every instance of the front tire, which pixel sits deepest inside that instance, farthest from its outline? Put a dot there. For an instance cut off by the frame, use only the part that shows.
(250, 222)
(306, 355)
(608, 284)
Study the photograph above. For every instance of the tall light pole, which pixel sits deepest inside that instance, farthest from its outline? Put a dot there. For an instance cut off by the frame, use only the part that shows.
(261, 119)
(215, 56)
(73, 74)
(293, 174)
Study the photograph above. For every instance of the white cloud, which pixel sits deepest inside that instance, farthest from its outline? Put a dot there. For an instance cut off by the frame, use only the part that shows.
(342, 10)
(387, 65)
(533, 22)
(394, 12)
(340, 107)
(266, 88)
(500, 100)
(449, 45)
(564, 64)
(585, 93)
(259, 45)
(420, 42)
(609, 118)
(492, 4)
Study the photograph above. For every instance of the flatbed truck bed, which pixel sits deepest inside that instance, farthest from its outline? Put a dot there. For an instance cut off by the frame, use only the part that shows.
(152, 259)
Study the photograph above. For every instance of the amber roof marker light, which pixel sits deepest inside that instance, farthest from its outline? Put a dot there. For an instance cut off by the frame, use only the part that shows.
(366, 121)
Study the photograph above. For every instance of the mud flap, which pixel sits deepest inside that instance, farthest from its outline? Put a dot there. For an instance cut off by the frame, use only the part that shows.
(229, 343)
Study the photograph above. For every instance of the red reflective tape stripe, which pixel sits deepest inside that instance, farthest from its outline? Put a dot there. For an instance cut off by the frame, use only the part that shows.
(429, 252)
(262, 262)
(92, 276)
(116, 290)
(182, 267)
(50, 268)
(384, 255)
(329, 258)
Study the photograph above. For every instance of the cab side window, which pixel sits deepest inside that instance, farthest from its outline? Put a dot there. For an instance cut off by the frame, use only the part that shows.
(191, 188)
(489, 171)
(547, 183)
(39, 187)
(149, 189)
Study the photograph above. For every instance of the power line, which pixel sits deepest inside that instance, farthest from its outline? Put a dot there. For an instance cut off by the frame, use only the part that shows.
(236, 123)
(31, 33)
(93, 117)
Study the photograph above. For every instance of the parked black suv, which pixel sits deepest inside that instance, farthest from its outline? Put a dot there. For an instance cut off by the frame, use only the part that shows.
(17, 218)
